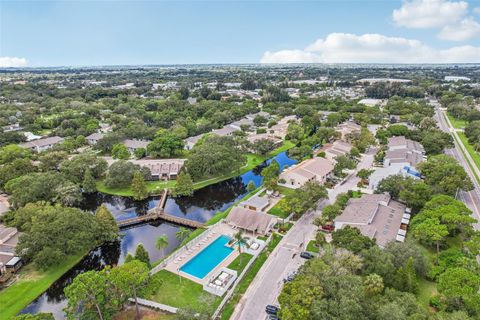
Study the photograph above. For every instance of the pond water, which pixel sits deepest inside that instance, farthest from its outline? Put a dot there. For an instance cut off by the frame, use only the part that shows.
(204, 203)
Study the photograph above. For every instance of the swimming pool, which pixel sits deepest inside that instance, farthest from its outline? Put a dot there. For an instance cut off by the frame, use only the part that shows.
(204, 262)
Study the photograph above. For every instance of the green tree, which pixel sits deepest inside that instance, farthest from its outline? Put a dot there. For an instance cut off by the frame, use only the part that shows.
(107, 223)
(165, 145)
(51, 233)
(161, 243)
(461, 286)
(15, 169)
(130, 278)
(182, 234)
(342, 163)
(331, 211)
(120, 151)
(351, 239)
(11, 152)
(251, 186)
(140, 153)
(406, 278)
(270, 175)
(373, 284)
(445, 175)
(139, 187)
(184, 186)
(214, 156)
(89, 295)
(141, 254)
(240, 241)
(120, 174)
(263, 146)
(68, 194)
(430, 230)
(88, 183)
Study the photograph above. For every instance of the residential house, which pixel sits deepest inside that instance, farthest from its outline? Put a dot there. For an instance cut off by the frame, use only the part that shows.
(256, 203)
(377, 216)
(135, 144)
(258, 223)
(401, 158)
(42, 144)
(347, 129)
(12, 127)
(337, 149)
(8, 242)
(403, 152)
(94, 137)
(316, 169)
(162, 169)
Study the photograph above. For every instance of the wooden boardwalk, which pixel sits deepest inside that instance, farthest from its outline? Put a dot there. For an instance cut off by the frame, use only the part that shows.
(158, 213)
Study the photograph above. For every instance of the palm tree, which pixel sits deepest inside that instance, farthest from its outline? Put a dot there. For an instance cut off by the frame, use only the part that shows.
(240, 242)
(162, 243)
(182, 234)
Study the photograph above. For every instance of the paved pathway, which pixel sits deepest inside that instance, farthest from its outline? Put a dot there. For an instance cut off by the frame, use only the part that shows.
(267, 285)
(154, 305)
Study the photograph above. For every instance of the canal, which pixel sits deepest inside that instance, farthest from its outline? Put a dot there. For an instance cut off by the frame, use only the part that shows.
(204, 204)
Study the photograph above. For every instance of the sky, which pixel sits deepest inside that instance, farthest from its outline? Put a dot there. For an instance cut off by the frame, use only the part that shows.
(95, 33)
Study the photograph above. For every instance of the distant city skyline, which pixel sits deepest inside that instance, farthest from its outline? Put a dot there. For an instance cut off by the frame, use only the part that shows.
(97, 33)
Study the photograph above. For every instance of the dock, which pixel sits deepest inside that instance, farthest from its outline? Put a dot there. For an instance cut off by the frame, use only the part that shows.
(158, 213)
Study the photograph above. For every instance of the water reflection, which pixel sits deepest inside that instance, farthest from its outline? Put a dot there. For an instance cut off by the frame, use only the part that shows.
(200, 207)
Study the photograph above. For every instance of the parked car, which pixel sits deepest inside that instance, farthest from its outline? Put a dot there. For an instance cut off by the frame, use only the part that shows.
(290, 277)
(271, 309)
(306, 255)
(272, 317)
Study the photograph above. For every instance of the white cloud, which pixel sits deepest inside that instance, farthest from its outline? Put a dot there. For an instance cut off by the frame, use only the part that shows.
(421, 14)
(9, 62)
(371, 48)
(476, 10)
(466, 29)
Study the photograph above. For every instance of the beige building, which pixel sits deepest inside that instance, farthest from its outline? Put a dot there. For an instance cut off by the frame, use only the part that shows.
(377, 216)
(316, 169)
(347, 129)
(42, 144)
(337, 149)
(250, 220)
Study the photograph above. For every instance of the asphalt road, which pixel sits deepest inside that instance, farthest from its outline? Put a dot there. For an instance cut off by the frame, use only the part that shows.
(470, 198)
(285, 259)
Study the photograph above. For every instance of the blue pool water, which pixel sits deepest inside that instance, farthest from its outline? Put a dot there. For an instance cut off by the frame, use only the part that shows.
(204, 262)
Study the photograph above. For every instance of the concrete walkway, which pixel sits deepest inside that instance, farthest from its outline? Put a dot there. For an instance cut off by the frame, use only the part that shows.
(154, 305)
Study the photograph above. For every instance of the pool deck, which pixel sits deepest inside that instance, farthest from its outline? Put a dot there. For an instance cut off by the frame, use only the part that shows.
(217, 231)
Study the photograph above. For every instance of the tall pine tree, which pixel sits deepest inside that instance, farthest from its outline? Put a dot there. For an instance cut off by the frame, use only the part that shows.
(88, 184)
(184, 185)
(139, 187)
(141, 254)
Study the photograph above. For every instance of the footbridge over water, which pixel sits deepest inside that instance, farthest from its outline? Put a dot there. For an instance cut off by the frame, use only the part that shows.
(158, 213)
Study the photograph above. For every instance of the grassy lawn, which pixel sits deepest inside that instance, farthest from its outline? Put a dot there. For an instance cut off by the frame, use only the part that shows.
(457, 123)
(426, 289)
(475, 156)
(31, 284)
(248, 278)
(168, 288)
(276, 211)
(156, 187)
(283, 227)
(240, 262)
(312, 247)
